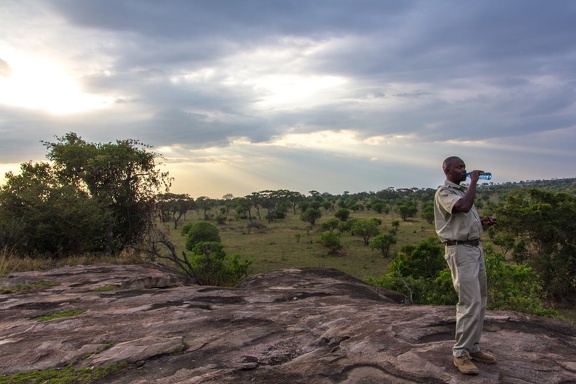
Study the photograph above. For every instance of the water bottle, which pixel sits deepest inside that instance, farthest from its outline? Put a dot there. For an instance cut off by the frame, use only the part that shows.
(483, 176)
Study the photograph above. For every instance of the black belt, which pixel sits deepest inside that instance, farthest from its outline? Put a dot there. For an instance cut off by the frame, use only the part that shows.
(474, 242)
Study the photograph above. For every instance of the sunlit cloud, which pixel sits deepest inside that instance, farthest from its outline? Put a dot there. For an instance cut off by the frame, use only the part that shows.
(291, 91)
(41, 84)
(5, 168)
(278, 75)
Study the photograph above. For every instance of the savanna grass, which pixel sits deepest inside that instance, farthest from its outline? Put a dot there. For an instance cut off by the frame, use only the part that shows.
(290, 242)
(42, 284)
(60, 314)
(10, 262)
(65, 375)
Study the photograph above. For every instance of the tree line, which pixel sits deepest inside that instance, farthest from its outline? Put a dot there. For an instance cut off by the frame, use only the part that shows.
(104, 198)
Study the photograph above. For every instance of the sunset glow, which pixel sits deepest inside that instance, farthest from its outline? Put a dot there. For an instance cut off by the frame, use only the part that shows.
(43, 85)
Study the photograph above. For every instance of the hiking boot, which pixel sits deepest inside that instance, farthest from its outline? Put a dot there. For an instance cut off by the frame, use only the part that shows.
(483, 357)
(465, 365)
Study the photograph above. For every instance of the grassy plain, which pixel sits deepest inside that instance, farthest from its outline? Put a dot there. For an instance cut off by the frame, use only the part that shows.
(289, 242)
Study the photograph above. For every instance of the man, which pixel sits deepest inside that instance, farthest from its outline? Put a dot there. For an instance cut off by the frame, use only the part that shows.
(459, 227)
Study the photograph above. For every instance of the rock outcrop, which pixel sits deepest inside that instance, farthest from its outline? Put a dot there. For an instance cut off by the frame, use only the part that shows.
(291, 326)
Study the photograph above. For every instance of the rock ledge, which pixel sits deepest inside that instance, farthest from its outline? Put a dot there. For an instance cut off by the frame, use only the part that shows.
(306, 326)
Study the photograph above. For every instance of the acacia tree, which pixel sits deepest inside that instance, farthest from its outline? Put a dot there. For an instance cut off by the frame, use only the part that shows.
(205, 204)
(383, 243)
(310, 215)
(256, 201)
(122, 176)
(274, 202)
(294, 198)
(243, 208)
(173, 206)
(228, 199)
(366, 229)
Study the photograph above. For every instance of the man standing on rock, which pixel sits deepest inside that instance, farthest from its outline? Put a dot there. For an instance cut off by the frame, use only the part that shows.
(459, 228)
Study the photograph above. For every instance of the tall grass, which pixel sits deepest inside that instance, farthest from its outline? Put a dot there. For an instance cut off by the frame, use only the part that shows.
(10, 262)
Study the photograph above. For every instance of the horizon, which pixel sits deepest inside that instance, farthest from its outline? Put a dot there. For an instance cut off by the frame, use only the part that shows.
(481, 184)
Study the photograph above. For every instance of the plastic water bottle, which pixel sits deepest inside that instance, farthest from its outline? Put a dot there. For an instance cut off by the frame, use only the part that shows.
(483, 176)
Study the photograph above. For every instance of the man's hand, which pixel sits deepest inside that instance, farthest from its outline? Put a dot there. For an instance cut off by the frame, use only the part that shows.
(488, 221)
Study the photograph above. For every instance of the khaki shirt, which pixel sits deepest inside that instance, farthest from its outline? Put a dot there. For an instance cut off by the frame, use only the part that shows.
(458, 226)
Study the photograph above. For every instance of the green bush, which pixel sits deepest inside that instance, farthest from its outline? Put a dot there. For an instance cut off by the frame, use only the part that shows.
(425, 259)
(346, 226)
(342, 214)
(310, 215)
(366, 229)
(211, 266)
(202, 231)
(538, 228)
(331, 240)
(186, 228)
(514, 287)
(383, 242)
(420, 273)
(329, 225)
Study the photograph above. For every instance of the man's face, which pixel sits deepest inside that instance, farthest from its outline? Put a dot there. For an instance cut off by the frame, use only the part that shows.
(456, 171)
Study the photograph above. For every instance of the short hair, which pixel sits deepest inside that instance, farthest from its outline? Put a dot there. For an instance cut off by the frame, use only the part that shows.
(448, 162)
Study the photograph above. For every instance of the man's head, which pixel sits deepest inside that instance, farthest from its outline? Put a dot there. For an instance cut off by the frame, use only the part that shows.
(454, 169)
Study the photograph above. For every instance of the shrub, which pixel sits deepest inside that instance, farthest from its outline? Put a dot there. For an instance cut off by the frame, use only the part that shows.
(417, 273)
(211, 266)
(329, 225)
(331, 240)
(186, 228)
(383, 242)
(310, 215)
(366, 229)
(514, 287)
(257, 226)
(202, 231)
(342, 214)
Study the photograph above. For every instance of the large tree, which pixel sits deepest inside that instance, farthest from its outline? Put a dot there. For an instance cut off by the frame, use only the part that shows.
(116, 182)
(43, 215)
(123, 176)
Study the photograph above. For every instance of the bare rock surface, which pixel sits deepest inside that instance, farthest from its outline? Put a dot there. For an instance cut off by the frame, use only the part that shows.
(293, 326)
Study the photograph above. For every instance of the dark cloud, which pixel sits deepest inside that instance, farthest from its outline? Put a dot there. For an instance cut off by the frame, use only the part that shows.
(177, 19)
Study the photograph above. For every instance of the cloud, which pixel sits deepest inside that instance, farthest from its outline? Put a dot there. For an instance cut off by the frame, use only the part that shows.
(254, 87)
(5, 69)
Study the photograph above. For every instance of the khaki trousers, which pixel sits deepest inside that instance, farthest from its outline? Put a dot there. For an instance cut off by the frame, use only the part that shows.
(468, 270)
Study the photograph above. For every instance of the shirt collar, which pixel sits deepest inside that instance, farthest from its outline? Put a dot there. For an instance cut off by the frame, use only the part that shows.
(454, 185)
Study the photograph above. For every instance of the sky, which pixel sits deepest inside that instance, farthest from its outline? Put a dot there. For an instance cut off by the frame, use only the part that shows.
(240, 96)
